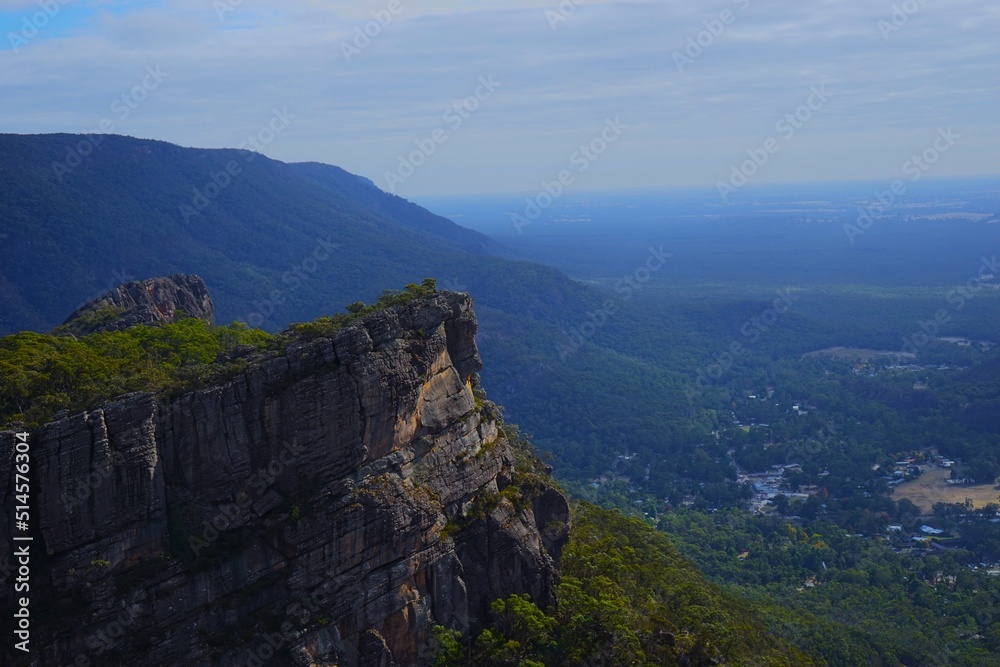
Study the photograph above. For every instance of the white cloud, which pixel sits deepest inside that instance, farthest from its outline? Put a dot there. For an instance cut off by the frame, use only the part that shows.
(608, 59)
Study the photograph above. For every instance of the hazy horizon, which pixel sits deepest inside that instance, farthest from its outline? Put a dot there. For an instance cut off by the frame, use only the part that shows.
(594, 190)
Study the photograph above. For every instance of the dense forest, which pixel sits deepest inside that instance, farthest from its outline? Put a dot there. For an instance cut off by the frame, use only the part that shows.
(626, 597)
(676, 390)
(843, 598)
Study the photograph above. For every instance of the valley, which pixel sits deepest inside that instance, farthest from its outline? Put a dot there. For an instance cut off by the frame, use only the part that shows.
(669, 374)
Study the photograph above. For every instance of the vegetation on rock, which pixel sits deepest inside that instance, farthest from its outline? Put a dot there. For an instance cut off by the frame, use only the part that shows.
(626, 597)
(43, 374)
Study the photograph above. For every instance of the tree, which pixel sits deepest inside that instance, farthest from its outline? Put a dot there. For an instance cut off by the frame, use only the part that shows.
(448, 649)
(781, 503)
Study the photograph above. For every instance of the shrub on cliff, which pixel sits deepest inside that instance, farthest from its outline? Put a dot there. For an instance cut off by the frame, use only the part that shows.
(625, 597)
(41, 374)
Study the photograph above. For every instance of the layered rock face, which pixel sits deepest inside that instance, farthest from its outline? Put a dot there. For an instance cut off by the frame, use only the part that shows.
(326, 506)
(153, 301)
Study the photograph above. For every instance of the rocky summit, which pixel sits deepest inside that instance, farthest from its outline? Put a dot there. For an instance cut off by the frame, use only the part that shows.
(153, 301)
(327, 504)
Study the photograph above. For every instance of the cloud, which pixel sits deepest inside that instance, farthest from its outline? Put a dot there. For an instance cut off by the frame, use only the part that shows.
(606, 59)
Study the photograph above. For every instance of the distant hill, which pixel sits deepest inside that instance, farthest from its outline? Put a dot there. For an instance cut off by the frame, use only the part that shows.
(275, 242)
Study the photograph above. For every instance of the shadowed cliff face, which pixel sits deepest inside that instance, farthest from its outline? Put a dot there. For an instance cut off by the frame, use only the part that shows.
(324, 507)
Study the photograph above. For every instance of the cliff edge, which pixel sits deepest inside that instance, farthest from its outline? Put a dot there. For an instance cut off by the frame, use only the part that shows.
(326, 506)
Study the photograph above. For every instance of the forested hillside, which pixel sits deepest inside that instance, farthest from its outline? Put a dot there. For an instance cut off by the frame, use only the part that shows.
(276, 243)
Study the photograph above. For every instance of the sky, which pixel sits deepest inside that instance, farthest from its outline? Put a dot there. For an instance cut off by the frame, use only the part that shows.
(433, 97)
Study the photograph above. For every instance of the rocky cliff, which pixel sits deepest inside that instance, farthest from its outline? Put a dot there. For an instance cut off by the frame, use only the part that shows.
(326, 506)
(153, 301)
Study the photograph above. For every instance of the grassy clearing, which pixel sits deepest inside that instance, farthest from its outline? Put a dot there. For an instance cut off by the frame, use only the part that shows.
(932, 487)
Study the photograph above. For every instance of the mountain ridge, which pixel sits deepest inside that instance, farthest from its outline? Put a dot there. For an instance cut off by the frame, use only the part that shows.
(253, 227)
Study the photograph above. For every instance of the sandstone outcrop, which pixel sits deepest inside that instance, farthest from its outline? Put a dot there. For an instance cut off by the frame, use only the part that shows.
(153, 301)
(326, 506)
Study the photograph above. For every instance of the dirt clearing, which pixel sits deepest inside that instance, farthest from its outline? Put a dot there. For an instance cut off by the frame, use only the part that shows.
(932, 487)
